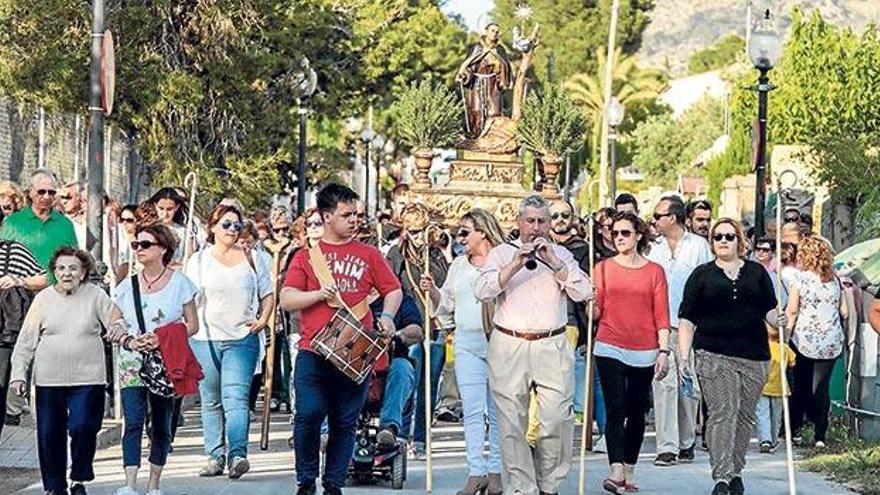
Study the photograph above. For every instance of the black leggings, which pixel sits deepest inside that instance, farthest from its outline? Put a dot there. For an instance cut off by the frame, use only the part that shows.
(809, 393)
(625, 390)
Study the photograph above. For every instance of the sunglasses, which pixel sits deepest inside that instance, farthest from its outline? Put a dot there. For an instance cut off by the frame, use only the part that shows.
(658, 216)
(227, 224)
(7, 207)
(127, 220)
(726, 237)
(280, 230)
(463, 233)
(315, 224)
(622, 233)
(139, 245)
(790, 219)
(414, 232)
(44, 192)
(560, 214)
(65, 197)
(763, 249)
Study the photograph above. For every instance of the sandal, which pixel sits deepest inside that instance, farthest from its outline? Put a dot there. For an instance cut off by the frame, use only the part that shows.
(613, 486)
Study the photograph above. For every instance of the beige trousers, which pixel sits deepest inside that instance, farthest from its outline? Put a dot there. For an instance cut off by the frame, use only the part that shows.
(516, 367)
(675, 417)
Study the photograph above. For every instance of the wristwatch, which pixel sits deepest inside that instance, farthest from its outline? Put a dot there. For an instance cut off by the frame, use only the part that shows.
(665, 351)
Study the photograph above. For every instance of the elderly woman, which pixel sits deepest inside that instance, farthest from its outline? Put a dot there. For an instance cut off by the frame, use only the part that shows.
(478, 232)
(11, 198)
(61, 336)
(167, 297)
(234, 303)
(730, 302)
(816, 309)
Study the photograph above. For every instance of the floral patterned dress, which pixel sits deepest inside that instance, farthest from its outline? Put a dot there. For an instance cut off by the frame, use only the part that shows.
(159, 309)
(818, 331)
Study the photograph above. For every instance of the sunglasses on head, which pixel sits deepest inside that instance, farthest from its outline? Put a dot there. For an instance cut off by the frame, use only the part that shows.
(562, 214)
(228, 224)
(138, 245)
(726, 237)
(44, 192)
(658, 216)
(622, 233)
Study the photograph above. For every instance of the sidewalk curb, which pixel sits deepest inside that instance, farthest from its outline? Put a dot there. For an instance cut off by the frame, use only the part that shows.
(110, 434)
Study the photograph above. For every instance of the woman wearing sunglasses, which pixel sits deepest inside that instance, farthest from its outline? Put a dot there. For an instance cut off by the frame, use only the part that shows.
(167, 296)
(632, 345)
(730, 302)
(478, 232)
(234, 304)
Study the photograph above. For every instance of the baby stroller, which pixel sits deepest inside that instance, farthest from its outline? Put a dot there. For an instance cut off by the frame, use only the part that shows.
(369, 464)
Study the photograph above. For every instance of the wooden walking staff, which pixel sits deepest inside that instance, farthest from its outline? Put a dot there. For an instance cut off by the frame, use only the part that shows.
(427, 368)
(586, 427)
(268, 374)
(191, 181)
(783, 338)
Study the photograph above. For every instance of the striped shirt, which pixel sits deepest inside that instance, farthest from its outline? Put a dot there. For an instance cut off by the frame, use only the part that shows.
(17, 260)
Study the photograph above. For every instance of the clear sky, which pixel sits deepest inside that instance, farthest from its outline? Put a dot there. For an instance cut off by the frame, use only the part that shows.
(470, 10)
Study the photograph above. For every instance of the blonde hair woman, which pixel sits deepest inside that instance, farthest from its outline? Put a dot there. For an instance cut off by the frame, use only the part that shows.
(479, 232)
(816, 308)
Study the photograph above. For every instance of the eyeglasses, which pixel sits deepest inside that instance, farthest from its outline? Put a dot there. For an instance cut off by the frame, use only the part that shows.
(127, 219)
(314, 224)
(65, 197)
(44, 192)
(562, 214)
(463, 233)
(138, 245)
(7, 207)
(726, 237)
(227, 224)
(658, 216)
(622, 233)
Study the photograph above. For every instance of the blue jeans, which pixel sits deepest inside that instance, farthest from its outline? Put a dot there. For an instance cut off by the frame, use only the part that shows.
(322, 391)
(61, 411)
(134, 409)
(399, 385)
(598, 400)
(438, 357)
(472, 373)
(228, 366)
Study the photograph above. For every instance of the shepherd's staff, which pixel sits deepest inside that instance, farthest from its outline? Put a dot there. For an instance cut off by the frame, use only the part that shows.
(783, 338)
(426, 342)
(191, 181)
(268, 375)
(588, 364)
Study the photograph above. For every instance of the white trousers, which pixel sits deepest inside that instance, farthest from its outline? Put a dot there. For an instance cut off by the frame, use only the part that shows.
(675, 416)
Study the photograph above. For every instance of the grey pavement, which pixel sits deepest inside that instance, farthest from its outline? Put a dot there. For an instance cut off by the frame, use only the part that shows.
(272, 471)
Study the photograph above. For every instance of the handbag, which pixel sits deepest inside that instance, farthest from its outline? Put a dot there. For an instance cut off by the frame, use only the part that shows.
(153, 372)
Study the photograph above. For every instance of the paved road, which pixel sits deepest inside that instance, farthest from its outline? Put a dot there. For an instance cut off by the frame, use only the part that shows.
(272, 471)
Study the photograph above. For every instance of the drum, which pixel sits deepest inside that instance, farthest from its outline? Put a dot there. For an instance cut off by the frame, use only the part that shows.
(349, 346)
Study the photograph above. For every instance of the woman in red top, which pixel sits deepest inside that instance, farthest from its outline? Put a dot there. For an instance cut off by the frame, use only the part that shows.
(632, 346)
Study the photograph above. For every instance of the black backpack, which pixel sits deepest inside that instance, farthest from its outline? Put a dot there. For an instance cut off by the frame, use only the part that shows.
(14, 304)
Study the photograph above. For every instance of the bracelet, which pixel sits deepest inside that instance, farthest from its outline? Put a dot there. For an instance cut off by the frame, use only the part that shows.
(386, 314)
(126, 341)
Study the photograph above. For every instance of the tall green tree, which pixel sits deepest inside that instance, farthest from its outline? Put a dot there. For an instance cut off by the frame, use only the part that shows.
(723, 53)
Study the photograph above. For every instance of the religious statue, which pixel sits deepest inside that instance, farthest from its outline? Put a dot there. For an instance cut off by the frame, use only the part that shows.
(483, 76)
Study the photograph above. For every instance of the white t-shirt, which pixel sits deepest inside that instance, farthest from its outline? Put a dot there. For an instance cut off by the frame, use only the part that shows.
(229, 297)
(159, 309)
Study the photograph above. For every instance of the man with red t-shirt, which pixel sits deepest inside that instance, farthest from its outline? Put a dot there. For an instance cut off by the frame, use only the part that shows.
(322, 391)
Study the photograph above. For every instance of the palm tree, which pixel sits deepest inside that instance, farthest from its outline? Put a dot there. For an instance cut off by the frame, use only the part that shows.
(631, 84)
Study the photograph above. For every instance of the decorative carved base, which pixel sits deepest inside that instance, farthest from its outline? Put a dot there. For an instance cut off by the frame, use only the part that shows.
(454, 203)
(486, 175)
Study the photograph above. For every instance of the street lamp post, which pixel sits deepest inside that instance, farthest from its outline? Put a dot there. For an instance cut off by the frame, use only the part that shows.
(308, 82)
(765, 50)
(367, 137)
(614, 114)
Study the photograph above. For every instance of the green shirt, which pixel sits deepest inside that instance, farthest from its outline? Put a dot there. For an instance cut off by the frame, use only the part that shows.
(41, 237)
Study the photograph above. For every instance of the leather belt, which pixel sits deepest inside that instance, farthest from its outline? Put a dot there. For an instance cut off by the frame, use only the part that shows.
(531, 335)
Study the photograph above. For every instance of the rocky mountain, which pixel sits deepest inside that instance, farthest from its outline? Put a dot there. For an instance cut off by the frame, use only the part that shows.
(681, 27)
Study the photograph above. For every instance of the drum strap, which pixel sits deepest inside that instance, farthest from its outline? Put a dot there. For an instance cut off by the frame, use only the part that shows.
(325, 276)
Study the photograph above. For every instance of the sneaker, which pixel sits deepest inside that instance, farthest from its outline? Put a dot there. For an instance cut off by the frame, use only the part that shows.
(797, 440)
(736, 486)
(417, 451)
(307, 489)
(13, 420)
(238, 467)
(703, 445)
(77, 489)
(213, 467)
(126, 490)
(274, 405)
(447, 415)
(721, 488)
(386, 438)
(665, 459)
(600, 447)
(686, 456)
(819, 444)
(766, 447)
(332, 490)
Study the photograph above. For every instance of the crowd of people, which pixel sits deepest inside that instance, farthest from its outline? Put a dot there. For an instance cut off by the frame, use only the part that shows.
(686, 331)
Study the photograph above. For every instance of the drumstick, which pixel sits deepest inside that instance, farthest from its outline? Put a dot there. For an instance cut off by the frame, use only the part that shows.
(427, 363)
(587, 423)
(783, 346)
(268, 374)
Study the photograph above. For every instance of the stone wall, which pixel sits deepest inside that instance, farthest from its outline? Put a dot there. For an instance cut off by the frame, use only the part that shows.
(63, 149)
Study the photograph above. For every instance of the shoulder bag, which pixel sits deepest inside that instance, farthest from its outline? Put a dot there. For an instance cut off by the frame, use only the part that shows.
(153, 372)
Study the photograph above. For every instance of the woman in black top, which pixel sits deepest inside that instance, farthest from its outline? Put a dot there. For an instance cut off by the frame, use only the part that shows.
(729, 301)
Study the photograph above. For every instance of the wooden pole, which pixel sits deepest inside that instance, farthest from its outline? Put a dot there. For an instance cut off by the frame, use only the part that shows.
(608, 84)
(588, 376)
(268, 374)
(427, 369)
(191, 181)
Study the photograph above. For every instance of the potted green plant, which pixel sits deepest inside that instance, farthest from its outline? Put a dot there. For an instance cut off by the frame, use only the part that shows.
(427, 116)
(551, 126)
